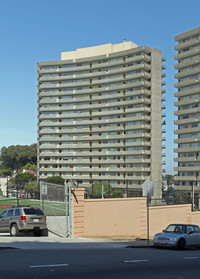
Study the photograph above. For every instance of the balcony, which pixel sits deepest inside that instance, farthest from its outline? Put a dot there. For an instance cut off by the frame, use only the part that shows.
(187, 159)
(186, 169)
(187, 149)
(140, 178)
(187, 73)
(189, 53)
(187, 140)
(186, 63)
(185, 178)
(108, 177)
(190, 101)
(186, 92)
(187, 44)
(184, 130)
(190, 111)
(189, 82)
(59, 64)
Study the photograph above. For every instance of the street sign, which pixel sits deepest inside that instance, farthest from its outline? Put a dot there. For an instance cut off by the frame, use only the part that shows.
(103, 192)
(147, 191)
(147, 188)
(44, 189)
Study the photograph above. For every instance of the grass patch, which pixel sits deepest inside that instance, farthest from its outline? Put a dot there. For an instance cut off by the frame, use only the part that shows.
(50, 208)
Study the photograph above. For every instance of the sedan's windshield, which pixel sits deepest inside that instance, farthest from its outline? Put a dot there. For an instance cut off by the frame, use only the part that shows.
(175, 229)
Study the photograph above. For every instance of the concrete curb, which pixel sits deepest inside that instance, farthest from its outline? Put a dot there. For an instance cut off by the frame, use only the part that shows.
(54, 242)
(140, 246)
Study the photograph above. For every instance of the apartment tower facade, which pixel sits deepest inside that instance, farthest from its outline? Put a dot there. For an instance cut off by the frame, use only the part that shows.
(100, 116)
(188, 108)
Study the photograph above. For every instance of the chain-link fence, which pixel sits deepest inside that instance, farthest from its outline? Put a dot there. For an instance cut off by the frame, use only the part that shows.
(10, 202)
(55, 201)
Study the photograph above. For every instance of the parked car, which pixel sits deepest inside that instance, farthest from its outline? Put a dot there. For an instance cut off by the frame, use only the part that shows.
(178, 236)
(21, 219)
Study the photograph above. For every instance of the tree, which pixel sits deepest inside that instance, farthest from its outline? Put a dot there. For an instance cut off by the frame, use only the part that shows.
(23, 178)
(96, 190)
(55, 179)
(34, 188)
(182, 197)
(29, 166)
(6, 172)
(14, 157)
(169, 179)
(117, 193)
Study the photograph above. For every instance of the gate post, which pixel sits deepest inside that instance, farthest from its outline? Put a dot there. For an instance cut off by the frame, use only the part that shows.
(78, 212)
(41, 196)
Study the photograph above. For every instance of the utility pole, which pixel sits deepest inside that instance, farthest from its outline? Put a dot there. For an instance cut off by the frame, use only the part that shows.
(127, 188)
(193, 197)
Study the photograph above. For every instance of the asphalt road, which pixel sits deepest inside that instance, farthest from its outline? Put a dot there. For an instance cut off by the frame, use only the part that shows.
(100, 263)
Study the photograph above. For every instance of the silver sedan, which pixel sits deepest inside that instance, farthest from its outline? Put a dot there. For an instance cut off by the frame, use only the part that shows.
(178, 236)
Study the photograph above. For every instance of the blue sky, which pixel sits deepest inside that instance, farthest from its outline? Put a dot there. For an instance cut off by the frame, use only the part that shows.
(32, 31)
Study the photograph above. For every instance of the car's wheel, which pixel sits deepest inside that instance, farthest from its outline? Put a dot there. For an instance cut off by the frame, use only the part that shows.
(14, 231)
(181, 244)
(38, 233)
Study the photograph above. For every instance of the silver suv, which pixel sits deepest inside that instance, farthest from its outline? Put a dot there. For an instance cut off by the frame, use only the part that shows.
(21, 219)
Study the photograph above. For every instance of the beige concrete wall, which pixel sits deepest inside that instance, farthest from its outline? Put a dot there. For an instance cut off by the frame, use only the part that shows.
(126, 217)
(115, 217)
(161, 216)
(195, 218)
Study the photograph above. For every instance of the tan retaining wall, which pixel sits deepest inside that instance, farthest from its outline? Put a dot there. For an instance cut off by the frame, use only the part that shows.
(115, 217)
(196, 218)
(161, 216)
(125, 218)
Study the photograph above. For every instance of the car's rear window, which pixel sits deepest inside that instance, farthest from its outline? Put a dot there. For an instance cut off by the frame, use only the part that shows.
(33, 211)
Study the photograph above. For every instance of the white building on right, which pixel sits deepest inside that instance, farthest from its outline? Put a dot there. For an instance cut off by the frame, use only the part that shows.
(3, 186)
(188, 108)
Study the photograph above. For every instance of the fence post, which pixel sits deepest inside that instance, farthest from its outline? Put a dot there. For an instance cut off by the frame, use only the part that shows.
(41, 196)
(67, 208)
(70, 226)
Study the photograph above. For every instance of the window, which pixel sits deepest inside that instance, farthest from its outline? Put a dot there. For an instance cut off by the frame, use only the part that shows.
(3, 214)
(33, 211)
(67, 66)
(17, 212)
(10, 213)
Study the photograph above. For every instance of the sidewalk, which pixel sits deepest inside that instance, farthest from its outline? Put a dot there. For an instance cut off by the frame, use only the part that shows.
(29, 242)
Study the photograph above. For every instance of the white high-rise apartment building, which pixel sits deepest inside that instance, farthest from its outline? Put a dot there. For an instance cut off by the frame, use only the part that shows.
(188, 108)
(100, 116)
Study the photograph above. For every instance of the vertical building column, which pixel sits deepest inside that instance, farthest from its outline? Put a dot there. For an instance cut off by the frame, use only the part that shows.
(78, 212)
(156, 121)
